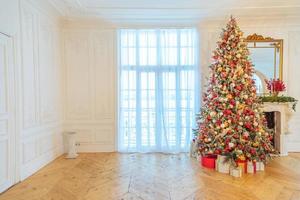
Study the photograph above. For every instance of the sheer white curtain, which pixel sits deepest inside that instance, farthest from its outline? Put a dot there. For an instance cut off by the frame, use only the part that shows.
(158, 89)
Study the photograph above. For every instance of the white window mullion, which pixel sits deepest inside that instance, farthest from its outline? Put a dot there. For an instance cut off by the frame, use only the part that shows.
(178, 94)
(138, 96)
(158, 73)
(148, 111)
(158, 94)
(187, 114)
(197, 76)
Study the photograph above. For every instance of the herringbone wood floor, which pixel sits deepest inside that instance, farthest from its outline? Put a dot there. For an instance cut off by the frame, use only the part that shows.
(107, 176)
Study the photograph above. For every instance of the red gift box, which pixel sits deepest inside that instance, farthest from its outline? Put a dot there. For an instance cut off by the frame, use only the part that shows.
(208, 161)
(242, 164)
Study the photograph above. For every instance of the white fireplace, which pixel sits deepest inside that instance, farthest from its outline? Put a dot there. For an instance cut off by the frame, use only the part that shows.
(282, 113)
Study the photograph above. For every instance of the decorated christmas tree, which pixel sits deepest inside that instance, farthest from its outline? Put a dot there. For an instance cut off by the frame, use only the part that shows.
(231, 121)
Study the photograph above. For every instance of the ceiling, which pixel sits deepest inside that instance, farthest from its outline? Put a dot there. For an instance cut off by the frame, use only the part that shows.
(175, 9)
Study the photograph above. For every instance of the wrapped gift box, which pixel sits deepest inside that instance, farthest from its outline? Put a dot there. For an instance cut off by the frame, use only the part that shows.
(194, 149)
(236, 171)
(251, 167)
(243, 165)
(221, 165)
(260, 166)
(208, 161)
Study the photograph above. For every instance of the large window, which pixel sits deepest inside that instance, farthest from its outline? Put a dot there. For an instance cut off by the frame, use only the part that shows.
(158, 89)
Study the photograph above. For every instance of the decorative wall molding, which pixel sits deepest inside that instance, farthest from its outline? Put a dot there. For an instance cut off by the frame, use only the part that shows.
(7, 114)
(258, 37)
(40, 87)
(90, 87)
(177, 11)
(3, 127)
(104, 76)
(293, 75)
(39, 145)
(40, 161)
(255, 23)
(78, 66)
(29, 66)
(104, 135)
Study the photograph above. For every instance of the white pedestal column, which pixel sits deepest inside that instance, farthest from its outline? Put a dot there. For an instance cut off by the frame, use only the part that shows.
(71, 145)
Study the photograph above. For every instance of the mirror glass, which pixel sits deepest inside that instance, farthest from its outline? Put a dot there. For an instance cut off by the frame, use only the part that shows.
(265, 54)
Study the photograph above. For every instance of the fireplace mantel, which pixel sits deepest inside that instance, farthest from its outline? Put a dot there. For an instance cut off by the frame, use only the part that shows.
(284, 112)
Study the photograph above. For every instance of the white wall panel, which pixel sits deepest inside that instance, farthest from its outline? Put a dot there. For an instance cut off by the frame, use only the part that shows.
(46, 72)
(3, 127)
(104, 74)
(294, 60)
(7, 117)
(29, 150)
(48, 142)
(29, 67)
(90, 88)
(4, 173)
(293, 87)
(41, 99)
(9, 17)
(78, 98)
(3, 80)
(103, 135)
(85, 135)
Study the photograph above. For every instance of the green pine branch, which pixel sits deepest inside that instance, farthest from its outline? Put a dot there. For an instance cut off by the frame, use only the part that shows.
(279, 99)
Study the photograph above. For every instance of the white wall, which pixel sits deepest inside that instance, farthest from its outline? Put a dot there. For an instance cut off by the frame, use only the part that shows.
(35, 29)
(40, 86)
(9, 173)
(287, 29)
(90, 87)
(9, 13)
(81, 100)
(90, 66)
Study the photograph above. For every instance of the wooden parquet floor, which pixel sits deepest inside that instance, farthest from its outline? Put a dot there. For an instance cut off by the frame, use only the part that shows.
(106, 176)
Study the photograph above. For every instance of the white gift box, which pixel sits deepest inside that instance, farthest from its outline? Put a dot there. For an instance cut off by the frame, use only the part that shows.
(221, 158)
(221, 165)
(260, 166)
(251, 167)
(236, 171)
(194, 149)
(224, 168)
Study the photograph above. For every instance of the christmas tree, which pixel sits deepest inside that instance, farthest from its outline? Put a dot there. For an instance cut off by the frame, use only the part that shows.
(231, 121)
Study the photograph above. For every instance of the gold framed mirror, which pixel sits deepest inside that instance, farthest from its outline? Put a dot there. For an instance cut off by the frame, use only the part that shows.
(266, 54)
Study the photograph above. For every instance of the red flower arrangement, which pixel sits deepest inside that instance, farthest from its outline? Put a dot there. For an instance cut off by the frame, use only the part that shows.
(275, 86)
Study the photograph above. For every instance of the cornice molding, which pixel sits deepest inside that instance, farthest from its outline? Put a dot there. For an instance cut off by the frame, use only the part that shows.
(258, 37)
(273, 22)
(127, 12)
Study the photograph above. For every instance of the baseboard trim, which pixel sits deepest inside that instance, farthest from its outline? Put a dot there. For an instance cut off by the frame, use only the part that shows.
(38, 163)
(293, 147)
(95, 148)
